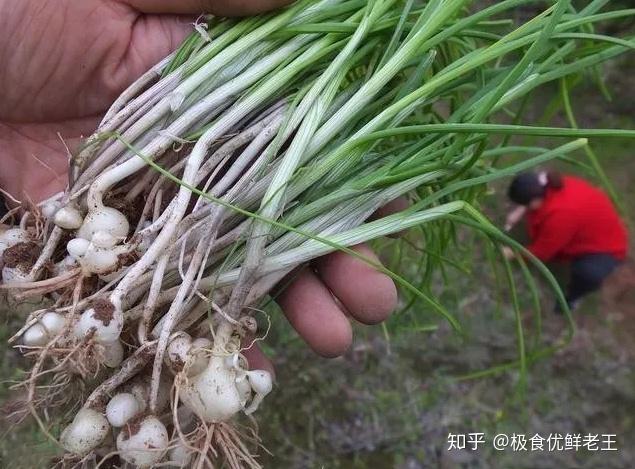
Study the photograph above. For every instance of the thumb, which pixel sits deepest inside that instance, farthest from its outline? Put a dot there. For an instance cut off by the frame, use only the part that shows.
(217, 7)
(161, 26)
(152, 38)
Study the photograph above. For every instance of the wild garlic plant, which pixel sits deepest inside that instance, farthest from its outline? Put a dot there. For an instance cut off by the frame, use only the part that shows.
(259, 145)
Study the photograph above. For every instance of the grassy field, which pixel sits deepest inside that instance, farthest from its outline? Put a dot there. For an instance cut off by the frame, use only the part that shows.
(393, 399)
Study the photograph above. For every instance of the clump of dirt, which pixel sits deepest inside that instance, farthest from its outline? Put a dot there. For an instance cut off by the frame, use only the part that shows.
(133, 426)
(104, 310)
(22, 254)
(89, 285)
(247, 325)
(128, 258)
(177, 364)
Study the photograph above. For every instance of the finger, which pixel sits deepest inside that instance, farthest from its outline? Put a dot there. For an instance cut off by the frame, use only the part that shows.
(394, 206)
(256, 359)
(313, 312)
(217, 7)
(164, 27)
(368, 295)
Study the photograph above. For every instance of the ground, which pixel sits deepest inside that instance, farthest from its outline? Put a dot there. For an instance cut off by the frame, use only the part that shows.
(394, 398)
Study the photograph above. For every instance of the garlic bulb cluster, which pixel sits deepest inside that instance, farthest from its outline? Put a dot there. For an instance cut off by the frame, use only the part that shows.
(144, 443)
(104, 322)
(121, 408)
(183, 353)
(100, 233)
(88, 429)
(107, 220)
(46, 328)
(141, 440)
(68, 217)
(224, 388)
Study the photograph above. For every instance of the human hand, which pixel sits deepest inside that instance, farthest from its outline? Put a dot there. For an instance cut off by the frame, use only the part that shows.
(66, 64)
(65, 61)
(319, 299)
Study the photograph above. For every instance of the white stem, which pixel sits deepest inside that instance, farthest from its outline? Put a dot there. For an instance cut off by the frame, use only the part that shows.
(312, 248)
(135, 88)
(153, 295)
(162, 143)
(47, 252)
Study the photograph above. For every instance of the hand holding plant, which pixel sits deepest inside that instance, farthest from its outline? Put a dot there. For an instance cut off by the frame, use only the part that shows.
(253, 150)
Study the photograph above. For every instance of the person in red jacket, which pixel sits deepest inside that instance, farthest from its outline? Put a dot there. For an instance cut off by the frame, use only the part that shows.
(570, 220)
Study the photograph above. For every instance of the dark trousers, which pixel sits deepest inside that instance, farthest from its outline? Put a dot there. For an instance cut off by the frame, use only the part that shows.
(587, 274)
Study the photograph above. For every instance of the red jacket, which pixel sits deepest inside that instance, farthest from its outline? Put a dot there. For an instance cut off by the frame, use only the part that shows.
(576, 220)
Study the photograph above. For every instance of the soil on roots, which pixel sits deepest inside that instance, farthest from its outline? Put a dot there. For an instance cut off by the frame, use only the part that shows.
(104, 310)
(22, 254)
(127, 259)
(90, 285)
(132, 427)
